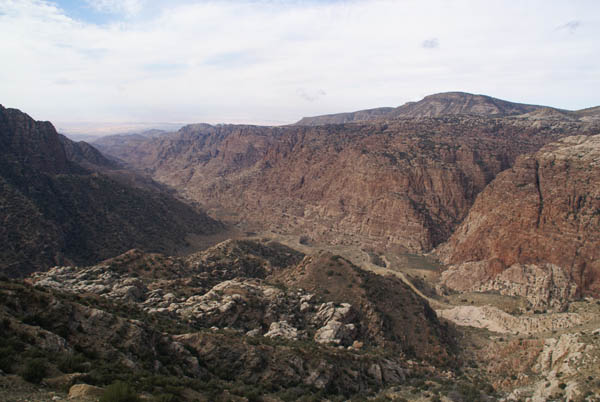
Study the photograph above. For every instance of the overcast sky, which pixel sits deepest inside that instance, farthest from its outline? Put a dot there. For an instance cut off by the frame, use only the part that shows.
(273, 62)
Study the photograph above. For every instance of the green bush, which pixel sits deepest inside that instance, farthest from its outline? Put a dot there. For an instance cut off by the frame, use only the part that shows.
(34, 370)
(6, 361)
(72, 363)
(165, 398)
(119, 392)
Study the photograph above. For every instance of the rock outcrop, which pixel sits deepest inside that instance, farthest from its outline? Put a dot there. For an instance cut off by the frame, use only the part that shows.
(85, 391)
(535, 230)
(561, 371)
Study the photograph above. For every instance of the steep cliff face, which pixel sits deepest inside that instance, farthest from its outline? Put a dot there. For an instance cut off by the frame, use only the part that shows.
(404, 183)
(52, 210)
(544, 211)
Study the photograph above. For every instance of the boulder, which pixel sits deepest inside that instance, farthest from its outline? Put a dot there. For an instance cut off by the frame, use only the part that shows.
(336, 332)
(281, 329)
(63, 381)
(85, 391)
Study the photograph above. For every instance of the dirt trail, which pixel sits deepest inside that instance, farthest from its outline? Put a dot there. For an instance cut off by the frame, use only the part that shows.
(358, 257)
(436, 304)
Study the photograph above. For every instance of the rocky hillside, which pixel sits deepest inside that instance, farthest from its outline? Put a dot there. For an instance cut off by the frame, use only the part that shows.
(28, 144)
(86, 155)
(351, 117)
(590, 114)
(53, 210)
(461, 103)
(267, 289)
(447, 103)
(535, 230)
(112, 143)
(384, 309)
(404, 183)
(255, 320)
(252, 319)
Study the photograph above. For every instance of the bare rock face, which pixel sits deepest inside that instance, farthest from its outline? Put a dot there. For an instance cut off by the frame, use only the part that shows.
(281, 329)
(558, 365)
(337, 324)
(535, 230)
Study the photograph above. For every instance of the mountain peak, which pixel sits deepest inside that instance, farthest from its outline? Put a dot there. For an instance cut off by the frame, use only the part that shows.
(435, 105)
(35, 143)
(451, 103)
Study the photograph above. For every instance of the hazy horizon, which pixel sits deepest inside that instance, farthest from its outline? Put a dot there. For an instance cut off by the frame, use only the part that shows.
(272, 62)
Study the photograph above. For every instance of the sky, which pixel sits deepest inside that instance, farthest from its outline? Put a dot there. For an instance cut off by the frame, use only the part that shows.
(91, 62)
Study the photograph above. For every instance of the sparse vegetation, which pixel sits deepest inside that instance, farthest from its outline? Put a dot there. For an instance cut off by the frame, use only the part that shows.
(34, 370)
(119, 392)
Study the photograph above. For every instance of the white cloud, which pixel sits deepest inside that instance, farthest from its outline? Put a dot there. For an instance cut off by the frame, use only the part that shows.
(310, 96)
(126, 7)
(268, 61)
(570, 26)
(432, 43)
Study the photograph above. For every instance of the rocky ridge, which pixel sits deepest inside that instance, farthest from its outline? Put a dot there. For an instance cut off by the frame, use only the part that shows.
(230, 315)
(86, 155)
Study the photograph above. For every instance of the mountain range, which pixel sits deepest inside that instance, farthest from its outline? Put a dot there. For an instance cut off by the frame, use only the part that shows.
(446, 249)
(447, 103)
